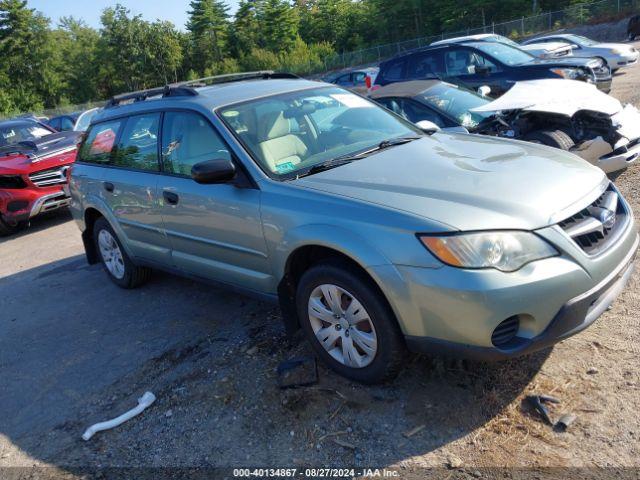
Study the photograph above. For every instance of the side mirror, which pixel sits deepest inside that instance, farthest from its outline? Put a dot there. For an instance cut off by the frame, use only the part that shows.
(482, 69)
(427, 127)
(213, 171)
(484, 90)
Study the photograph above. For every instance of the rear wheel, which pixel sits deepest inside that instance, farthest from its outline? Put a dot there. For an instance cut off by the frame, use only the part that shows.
(349, 325)
(551, 138)
(114, 258)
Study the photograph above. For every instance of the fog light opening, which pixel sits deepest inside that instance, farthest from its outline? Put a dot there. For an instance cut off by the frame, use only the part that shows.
(505, 331)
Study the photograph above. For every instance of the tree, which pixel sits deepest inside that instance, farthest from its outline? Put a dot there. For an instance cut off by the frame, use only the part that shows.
(245, 30)
(209, 28)
(279, 25)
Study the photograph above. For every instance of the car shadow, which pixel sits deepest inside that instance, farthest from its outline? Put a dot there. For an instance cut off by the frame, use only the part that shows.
(76, 350)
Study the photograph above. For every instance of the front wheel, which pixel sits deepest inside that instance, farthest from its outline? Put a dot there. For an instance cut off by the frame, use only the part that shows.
(551, 138)
(114, 258)
(349, 324)
(9, 228)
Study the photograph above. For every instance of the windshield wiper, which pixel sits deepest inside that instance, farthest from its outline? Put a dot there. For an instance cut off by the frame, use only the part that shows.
(344, 159)
(396, 141)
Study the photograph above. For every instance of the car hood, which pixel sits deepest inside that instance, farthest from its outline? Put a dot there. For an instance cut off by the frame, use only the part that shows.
(564, 97)
(546, 47)
(47, 152)
(618, 46)
(565, 62)
(468, 182)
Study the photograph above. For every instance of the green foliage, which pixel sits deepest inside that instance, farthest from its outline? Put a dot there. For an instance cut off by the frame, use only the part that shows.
(43, 66)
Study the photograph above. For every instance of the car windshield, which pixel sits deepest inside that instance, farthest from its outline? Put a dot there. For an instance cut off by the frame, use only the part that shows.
(505, 53)
(503, 40)
(456, 102)
(289, 134)
(580, 40)
(21, 132)
(84, 120)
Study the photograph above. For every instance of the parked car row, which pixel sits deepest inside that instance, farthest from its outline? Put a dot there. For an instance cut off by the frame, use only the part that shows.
(374, 236)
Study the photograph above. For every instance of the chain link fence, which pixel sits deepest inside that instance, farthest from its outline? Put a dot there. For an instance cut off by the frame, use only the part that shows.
(515, 29)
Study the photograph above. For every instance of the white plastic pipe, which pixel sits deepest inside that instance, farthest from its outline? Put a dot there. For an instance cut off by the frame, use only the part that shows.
(143, 402)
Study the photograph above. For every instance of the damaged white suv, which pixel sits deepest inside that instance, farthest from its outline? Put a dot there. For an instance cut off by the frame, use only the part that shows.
(565, 114)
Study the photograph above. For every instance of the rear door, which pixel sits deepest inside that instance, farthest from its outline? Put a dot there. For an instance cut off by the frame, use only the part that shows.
(215, 230)
(130, 184)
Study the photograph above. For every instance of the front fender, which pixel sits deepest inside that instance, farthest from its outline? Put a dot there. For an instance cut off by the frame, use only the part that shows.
(337, 238)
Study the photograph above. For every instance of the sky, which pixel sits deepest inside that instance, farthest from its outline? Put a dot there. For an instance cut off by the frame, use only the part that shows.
(90, 10)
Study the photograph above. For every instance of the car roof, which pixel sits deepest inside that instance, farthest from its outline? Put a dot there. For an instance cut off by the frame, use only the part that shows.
(213, 96)
(404, 89)
(466, 38)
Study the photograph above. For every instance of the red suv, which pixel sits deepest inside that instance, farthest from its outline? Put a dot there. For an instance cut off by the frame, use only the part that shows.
(34, 165)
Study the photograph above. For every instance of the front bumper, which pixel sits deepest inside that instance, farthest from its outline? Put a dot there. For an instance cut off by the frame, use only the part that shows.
(22, 204)
(456, 311)
(624, 61)
(574, 316)
(614, 162)
(604, 85)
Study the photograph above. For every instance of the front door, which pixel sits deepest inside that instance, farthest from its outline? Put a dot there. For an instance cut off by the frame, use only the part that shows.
(215, 231)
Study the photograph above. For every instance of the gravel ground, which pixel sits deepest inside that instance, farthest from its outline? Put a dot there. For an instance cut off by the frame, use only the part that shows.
(74, 350)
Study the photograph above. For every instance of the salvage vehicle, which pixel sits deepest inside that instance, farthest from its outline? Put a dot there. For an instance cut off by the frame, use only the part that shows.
(372, 235)
(569, 115)
(64, 123)
(615, 55)
(492, 64)
(540, 50)
(34, 163)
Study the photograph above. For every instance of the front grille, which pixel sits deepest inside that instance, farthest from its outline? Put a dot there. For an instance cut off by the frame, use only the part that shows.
(505, 331)
(596, 227)
(50, 177)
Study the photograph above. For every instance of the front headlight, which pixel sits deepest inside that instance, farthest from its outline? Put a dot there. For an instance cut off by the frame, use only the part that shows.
(570, 73)
(616, 51)
(506, 251)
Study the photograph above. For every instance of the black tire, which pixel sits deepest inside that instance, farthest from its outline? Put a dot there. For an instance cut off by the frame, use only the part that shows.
(391, 349)
(7, 229)
(551, 138)
(134, 276)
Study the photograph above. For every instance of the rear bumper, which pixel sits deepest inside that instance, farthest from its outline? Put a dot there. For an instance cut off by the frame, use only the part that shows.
(574, 316)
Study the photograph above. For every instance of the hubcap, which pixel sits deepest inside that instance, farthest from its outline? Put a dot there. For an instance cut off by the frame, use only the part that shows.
(111, 254)
(342, 326)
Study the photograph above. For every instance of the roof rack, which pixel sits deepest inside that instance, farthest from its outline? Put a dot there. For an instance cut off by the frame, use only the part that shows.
(188, 87)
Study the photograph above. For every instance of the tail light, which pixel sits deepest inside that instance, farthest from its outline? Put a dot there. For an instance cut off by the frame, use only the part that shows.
(367, 81)
(375, 87)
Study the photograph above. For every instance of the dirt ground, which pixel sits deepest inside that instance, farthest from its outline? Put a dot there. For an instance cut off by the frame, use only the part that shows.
(75, 350)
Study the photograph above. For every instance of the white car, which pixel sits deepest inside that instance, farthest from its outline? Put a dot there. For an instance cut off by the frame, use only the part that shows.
(617, 55)
(540, 50)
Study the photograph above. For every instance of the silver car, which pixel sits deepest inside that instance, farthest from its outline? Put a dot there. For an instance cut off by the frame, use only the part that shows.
(374, 236)
(617, 55)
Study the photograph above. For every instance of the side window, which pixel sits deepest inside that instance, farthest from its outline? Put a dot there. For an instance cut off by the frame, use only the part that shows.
(395, 71)
(187, 139)
(416, 112)
(359, 78)
(66, 124)
(344, 80)
(55, 123)
(392, 104)
(99, 142)
(424, 66)
(138, 145)
(463, 62)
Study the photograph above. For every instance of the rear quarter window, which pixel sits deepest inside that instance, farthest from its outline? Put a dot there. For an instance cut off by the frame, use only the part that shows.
(99, 142)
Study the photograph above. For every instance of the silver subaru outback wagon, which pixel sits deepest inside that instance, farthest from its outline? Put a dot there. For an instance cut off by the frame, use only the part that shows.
(375, 237)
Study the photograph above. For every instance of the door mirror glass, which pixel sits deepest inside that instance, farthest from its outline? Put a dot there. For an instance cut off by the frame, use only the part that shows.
(213, 171)
(482, 69)
(427, 126)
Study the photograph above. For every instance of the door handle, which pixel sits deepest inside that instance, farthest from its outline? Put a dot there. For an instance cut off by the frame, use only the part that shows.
(170, 197)
(108, 186)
